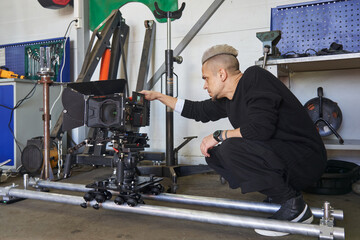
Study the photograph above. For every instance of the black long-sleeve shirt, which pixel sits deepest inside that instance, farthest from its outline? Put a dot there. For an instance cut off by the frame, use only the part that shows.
(265, 110)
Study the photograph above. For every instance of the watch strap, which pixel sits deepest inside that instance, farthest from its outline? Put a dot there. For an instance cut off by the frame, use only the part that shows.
(220, 136)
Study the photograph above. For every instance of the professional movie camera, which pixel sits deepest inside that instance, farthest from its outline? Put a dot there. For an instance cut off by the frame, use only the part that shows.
(104, 105)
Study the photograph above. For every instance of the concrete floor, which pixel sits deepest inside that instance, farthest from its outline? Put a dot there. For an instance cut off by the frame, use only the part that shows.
(34, 219)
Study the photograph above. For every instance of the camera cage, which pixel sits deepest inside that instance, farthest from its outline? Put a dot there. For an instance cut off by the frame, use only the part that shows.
(103, 104)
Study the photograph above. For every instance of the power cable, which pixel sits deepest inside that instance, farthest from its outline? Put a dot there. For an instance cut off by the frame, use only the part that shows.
(66, 37)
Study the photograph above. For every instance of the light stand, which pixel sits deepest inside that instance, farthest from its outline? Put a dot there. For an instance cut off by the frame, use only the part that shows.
(169, 71)
(45, 79)
(171, 170)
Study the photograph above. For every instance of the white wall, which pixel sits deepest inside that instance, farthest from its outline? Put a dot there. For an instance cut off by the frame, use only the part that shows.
(27, 20)
(234, 23)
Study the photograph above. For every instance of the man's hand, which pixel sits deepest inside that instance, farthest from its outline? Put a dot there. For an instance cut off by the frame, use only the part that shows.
(207, 143)
(150, 95)
(165, 99)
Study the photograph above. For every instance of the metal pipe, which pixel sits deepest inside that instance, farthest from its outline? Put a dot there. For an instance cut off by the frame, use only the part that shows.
(4, 163)
(326, 210)
(168, 33)
(232, 204)
(169, 62)
(45, 80)
(194, 200)
(186, 214)
(52, 197)
(26, 181)
(57, 185)
(264, 61)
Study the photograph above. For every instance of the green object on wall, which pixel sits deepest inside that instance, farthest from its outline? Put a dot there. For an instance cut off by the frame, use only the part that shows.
(101, 9)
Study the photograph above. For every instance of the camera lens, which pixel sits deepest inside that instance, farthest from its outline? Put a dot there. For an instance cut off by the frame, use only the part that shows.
(109, 113)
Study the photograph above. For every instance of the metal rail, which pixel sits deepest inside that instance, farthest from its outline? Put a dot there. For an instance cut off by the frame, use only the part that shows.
(187, 199)
(233, 204)
(186, 214)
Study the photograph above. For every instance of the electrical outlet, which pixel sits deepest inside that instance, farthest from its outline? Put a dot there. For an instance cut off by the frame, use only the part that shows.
(78, 23)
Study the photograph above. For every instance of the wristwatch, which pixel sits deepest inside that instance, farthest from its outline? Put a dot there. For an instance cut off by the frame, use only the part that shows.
(218, 135)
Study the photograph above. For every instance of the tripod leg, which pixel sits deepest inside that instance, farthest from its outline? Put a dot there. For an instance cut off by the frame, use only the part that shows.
(67, 165)
(174, 186)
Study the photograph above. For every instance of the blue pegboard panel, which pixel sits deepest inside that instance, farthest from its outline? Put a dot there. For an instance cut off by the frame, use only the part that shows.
(19, 60)
(15, 60)
(6, 139)
(315, 25)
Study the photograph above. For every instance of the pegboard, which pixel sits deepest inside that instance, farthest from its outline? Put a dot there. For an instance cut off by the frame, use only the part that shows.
(315, 25)
(23, 58)
(14, 59)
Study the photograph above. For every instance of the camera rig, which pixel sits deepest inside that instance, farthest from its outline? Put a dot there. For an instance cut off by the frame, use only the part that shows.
(103, 105)
(125, 180)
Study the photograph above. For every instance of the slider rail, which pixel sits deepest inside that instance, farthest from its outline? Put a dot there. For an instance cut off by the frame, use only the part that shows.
(321, 231)
(187, 199)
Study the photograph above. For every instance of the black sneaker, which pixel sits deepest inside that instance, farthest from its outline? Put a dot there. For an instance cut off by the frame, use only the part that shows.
(293, 210)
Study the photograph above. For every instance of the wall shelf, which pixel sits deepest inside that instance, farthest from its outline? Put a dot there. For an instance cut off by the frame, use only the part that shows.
(349, 144)
(314, 63)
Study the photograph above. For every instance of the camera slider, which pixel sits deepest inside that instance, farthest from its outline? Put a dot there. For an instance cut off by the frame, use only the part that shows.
(325, 229)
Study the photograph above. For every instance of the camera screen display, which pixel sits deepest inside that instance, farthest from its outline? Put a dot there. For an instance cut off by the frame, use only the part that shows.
(138, 98)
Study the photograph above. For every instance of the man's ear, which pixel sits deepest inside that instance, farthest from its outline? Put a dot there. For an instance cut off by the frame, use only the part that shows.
(222, 74)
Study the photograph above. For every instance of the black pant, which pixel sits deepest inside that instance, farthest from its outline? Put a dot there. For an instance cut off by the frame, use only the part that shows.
(255, 167)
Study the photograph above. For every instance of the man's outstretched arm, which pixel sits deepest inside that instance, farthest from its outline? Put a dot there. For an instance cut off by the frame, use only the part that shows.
(165, 99)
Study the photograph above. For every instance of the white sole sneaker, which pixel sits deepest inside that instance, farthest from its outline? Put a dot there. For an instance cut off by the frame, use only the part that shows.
(280, 234)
